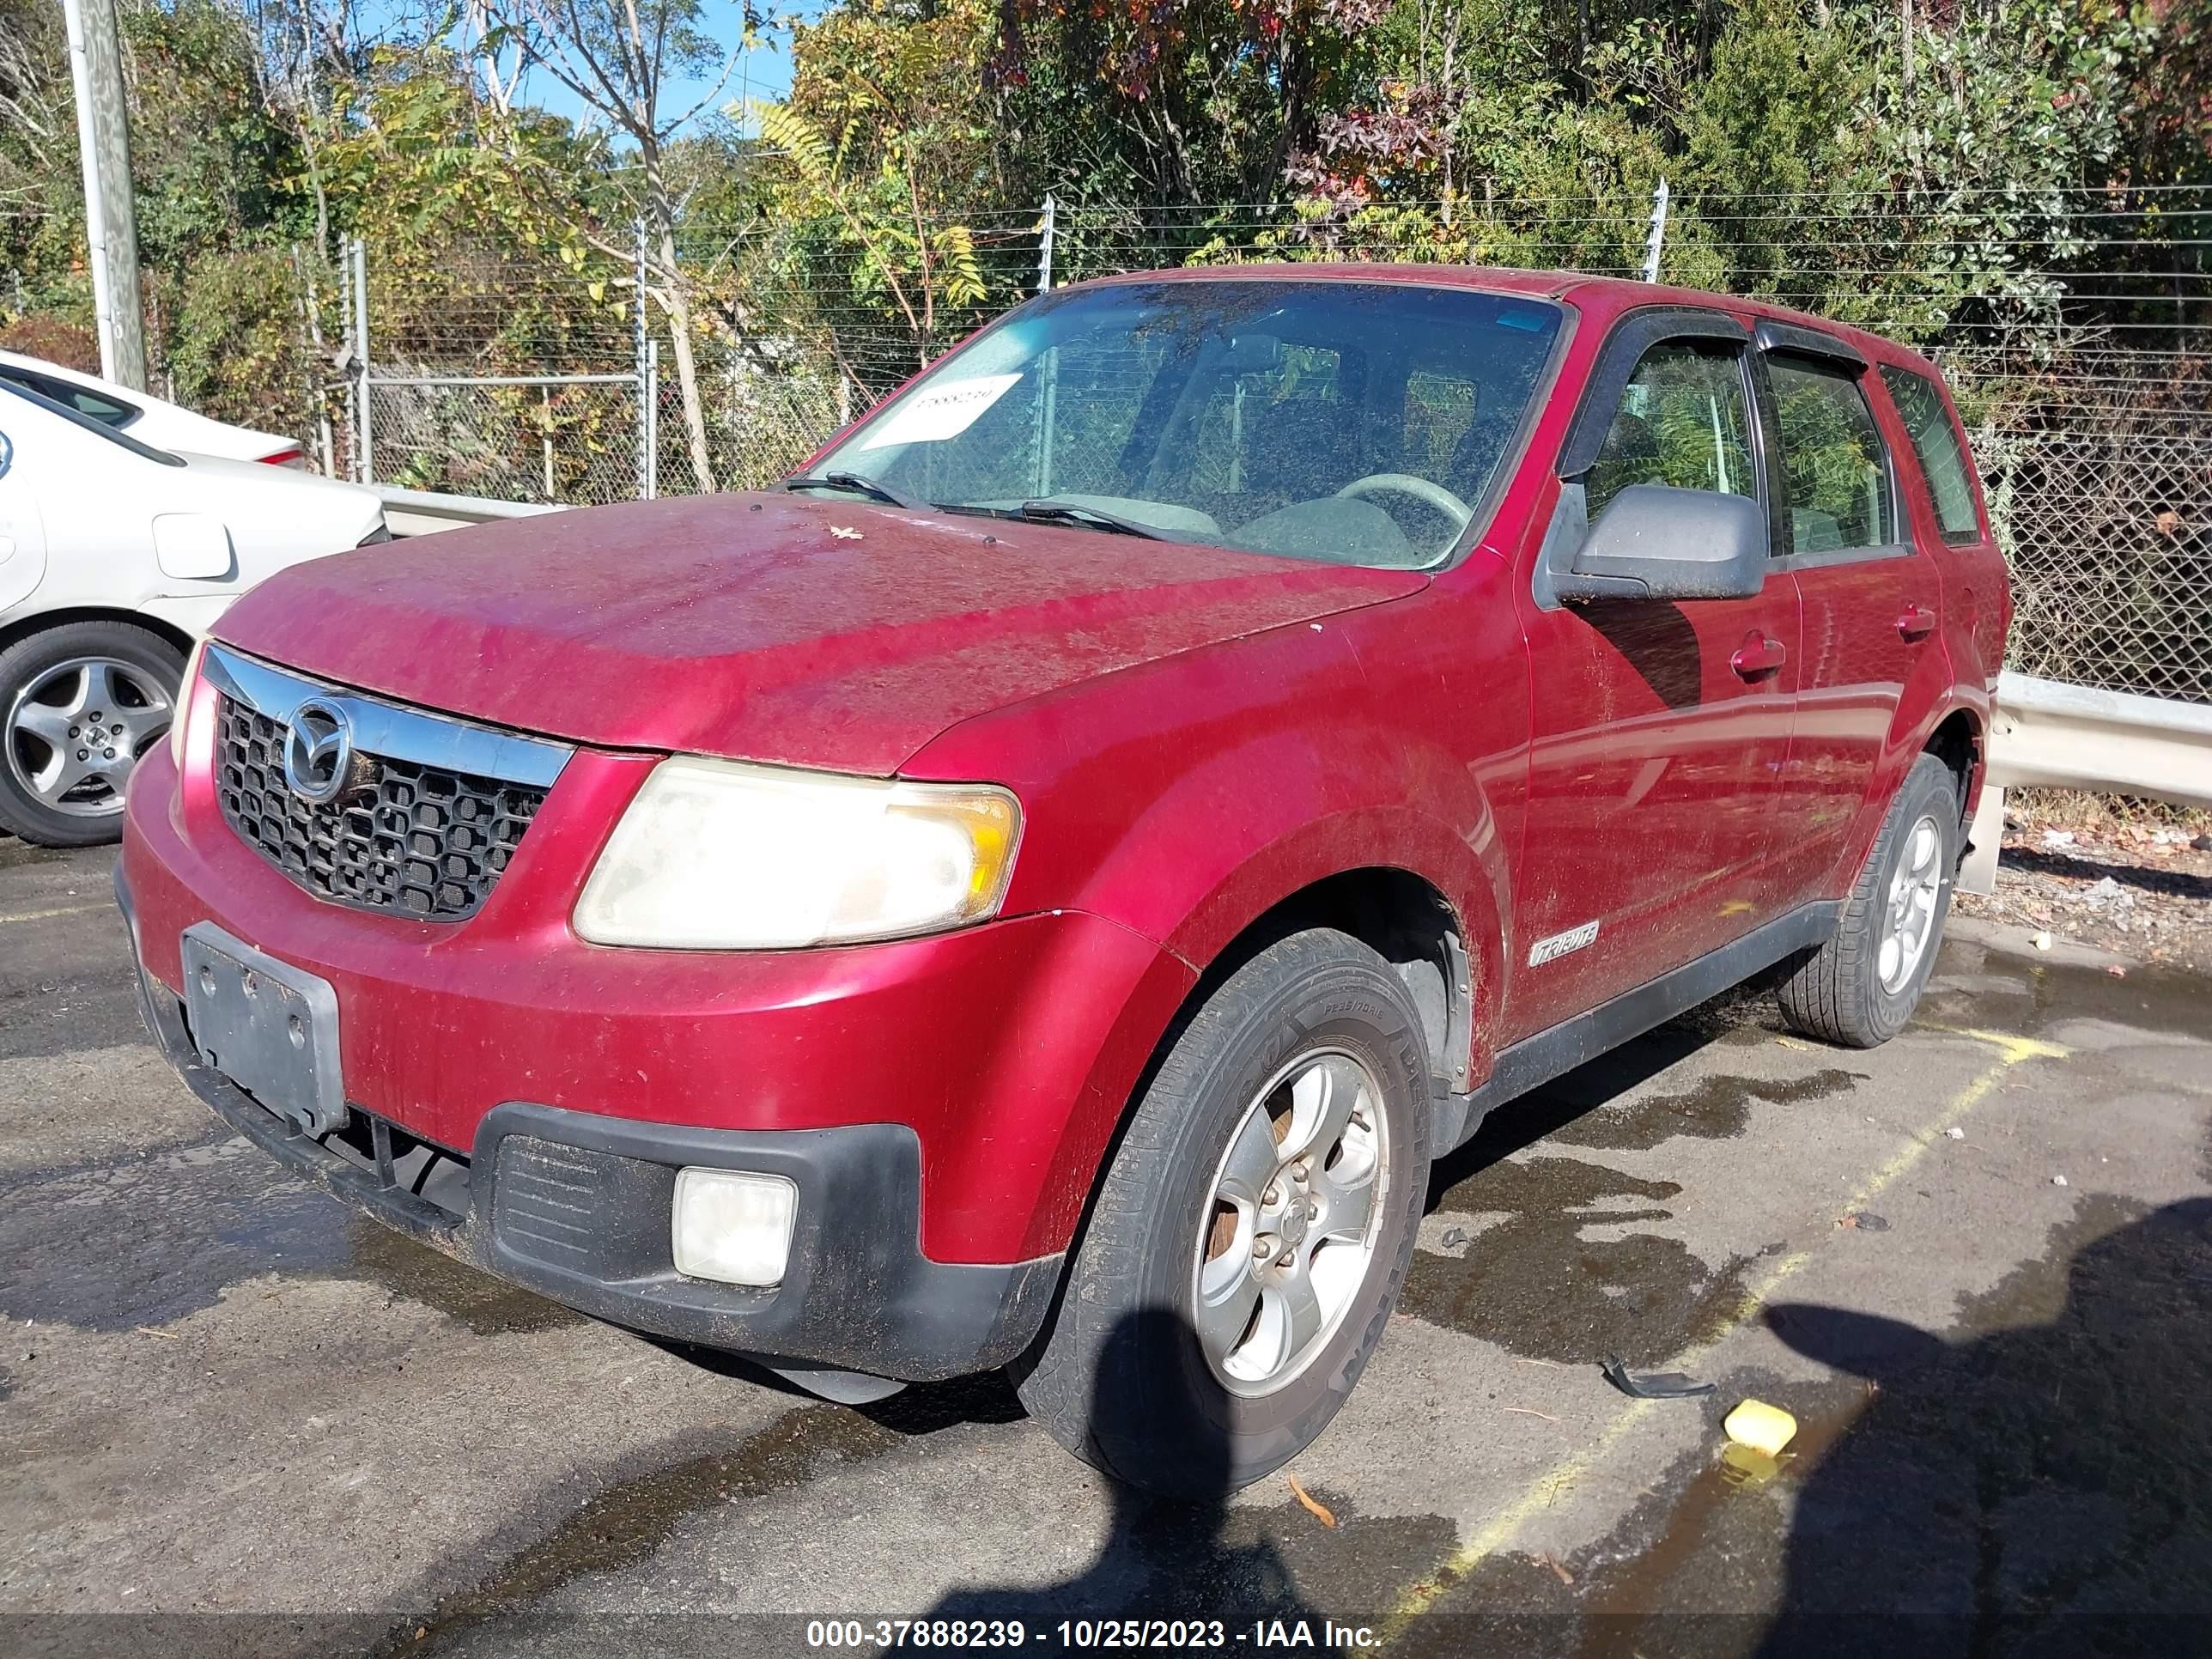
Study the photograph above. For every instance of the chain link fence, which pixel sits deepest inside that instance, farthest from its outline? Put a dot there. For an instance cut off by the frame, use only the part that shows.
(2087, 389)
(2112, 564)
(554, 438)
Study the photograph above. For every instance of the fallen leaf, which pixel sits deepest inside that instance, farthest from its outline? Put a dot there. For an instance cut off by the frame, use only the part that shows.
(2116, 970)
(1314, 1506)
(1553, 1562)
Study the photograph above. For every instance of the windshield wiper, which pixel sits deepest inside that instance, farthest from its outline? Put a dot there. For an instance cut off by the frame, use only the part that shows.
(853, 483)
(1075, 512)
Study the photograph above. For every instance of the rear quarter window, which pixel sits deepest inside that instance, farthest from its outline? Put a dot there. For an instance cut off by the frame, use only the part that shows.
(1940, 451)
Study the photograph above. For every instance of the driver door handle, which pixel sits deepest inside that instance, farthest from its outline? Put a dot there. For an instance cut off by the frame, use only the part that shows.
(1758, 655)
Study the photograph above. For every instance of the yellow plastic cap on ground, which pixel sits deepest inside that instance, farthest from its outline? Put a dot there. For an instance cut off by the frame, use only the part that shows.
(1760, 1426)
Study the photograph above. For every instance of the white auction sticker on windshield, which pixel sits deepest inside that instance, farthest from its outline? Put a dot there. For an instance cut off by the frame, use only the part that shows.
(941, 412)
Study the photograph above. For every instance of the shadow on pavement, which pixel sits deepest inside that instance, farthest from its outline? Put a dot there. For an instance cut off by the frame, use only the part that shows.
(2043, 1488)
(1160, 1556)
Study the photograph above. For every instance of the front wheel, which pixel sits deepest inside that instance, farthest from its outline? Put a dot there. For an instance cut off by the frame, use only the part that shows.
(1252, 1232)
(79, 704)
(1861, 987)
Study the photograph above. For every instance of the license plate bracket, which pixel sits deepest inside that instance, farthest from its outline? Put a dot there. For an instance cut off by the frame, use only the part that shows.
(271, 1028)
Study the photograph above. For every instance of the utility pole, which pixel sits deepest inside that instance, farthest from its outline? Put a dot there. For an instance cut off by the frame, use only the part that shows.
(111, 222)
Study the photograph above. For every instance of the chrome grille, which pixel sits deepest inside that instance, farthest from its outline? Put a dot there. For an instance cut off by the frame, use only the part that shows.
(408, 836)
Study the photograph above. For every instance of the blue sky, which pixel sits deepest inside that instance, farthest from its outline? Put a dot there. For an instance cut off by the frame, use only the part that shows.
(763, 72)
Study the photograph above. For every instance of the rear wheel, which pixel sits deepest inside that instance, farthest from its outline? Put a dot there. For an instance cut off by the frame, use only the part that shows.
(79, 703)
(1861, 987)
(1251, 1233)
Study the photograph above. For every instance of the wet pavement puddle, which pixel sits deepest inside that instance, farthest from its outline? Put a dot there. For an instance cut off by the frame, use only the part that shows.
(1544, 1283)
(151, 1240)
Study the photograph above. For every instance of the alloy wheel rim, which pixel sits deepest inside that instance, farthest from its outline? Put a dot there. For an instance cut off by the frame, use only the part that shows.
(1909, 913)
(75, 731)
(1289, 1235)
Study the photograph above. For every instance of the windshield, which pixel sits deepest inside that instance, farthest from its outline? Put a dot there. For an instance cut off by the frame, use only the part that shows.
(1350, 423)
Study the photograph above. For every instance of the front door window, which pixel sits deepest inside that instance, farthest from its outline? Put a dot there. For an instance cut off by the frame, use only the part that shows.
(1683, 421)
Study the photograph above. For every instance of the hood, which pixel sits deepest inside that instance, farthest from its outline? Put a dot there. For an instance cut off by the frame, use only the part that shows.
(770, 627)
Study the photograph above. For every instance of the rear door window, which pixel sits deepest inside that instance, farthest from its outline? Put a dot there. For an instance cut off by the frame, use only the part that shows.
(1941, 452)
(1833, 456)
(108, 411)
(1684, 421)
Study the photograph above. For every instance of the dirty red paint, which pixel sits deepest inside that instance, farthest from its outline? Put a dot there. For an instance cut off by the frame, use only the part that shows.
(745, 627)
(1195, 735)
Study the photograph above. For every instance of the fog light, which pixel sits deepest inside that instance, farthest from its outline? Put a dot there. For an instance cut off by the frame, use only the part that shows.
(733, 1225)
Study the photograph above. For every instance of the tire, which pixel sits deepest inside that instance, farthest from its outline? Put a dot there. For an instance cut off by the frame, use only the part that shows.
(1838, 993)
(139, 667)
(1120, 1376)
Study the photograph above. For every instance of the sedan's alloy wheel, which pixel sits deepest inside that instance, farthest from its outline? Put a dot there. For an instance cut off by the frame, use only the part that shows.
(73, 732)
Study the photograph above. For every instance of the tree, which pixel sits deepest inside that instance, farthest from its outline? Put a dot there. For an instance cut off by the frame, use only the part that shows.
(898, 250)
(617, 57)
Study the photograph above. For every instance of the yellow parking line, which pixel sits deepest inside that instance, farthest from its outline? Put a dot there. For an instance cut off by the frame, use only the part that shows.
(1502, 1527)
(65, 910)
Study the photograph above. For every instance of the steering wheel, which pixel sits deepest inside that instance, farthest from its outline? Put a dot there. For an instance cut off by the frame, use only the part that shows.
(1421, 490)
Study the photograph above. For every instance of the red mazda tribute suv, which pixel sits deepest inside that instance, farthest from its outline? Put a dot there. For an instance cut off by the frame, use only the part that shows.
(1064, 863)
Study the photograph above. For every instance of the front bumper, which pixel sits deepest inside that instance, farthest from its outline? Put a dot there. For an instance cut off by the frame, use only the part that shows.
(574, 1205)
(1008, 1050)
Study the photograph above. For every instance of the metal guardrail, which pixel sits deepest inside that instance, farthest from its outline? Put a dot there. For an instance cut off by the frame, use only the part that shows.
(425, 513)
(2047, 734)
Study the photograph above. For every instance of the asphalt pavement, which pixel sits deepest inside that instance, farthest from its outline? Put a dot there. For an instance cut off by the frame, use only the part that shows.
(1976, 1265)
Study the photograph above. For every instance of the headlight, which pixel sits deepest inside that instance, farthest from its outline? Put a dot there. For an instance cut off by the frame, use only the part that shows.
(181, 710)
(716, 855)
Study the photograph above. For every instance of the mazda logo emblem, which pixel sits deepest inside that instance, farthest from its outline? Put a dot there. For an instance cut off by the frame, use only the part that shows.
(318, 753)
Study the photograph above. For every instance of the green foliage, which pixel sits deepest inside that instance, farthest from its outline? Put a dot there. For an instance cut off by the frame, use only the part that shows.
(863, 192)
(1912, 165)
(237, 349)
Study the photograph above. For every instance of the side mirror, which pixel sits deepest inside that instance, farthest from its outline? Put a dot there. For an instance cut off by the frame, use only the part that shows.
(1655, 542)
